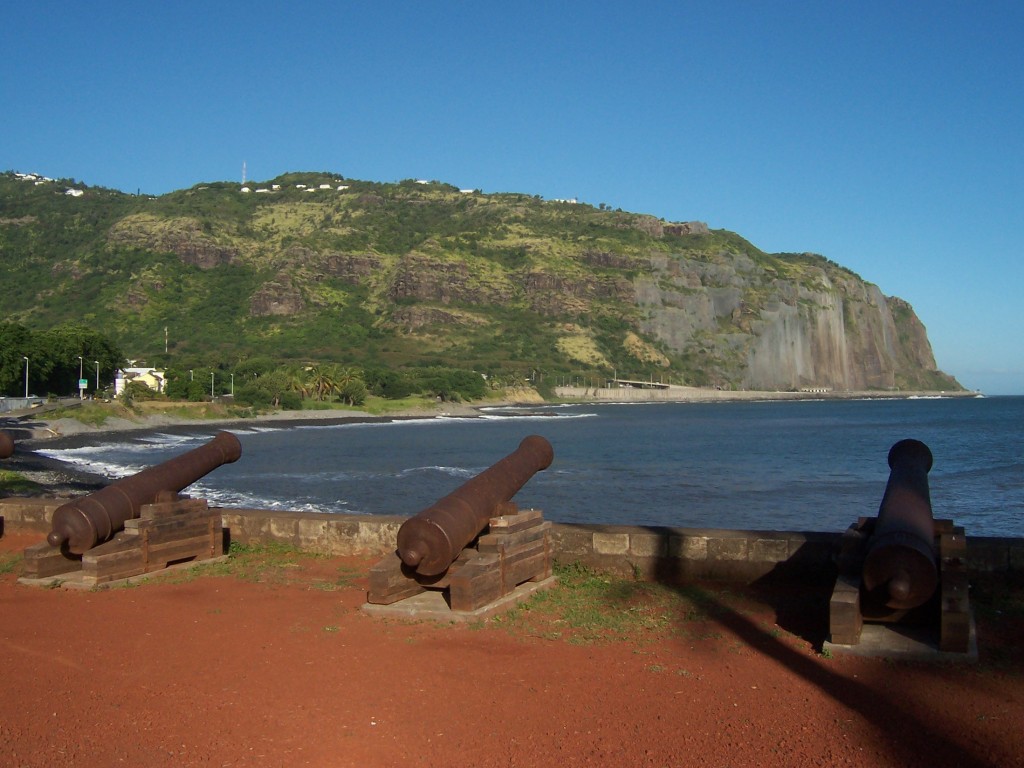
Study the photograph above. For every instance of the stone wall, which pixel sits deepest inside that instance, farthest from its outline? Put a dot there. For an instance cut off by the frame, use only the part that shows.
(657, 553)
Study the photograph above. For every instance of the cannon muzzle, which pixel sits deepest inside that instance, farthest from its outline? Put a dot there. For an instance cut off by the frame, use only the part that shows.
(83, 523)
(6, 445)
(433, 539)
(901, 558)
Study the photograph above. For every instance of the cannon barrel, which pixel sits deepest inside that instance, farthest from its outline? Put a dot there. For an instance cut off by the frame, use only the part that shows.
(85, 522)
(901, 558)
(6, 445)
(433, 539)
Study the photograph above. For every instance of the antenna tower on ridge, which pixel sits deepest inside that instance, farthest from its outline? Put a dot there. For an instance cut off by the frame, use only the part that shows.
(243, 171)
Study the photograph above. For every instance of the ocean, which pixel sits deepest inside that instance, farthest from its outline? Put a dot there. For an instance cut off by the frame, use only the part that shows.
(803, 465)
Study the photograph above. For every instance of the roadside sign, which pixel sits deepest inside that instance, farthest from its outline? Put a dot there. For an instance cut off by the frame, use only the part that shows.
(83, 383)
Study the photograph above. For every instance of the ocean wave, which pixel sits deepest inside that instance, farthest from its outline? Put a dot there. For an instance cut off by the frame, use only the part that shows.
(536, 417)
(80, 458)
(449, 471)
(220, 497)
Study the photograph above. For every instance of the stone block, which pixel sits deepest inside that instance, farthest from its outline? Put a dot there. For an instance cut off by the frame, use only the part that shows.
(611, 543)
(284, 529)
(377, 536)
(311, 533)
(688, 547)
(844, 617)
(769, 550)
(729, 548)
(647, 545)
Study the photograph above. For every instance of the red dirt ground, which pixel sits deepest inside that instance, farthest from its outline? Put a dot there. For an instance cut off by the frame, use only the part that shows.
(221, 671)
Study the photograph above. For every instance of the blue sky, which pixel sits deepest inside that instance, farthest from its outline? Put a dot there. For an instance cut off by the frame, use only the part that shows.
(888, 137)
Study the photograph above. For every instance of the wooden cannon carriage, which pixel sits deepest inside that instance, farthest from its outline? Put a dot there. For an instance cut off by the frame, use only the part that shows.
(136, 525)
(473, 548)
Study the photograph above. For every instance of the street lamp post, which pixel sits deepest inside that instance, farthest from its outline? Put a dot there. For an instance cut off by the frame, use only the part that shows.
(26, 375)
(211, 385)
(97, 376)
(81, 391)
(232, 385)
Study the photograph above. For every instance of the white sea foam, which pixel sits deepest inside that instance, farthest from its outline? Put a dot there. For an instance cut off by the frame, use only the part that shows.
(450, 471)
(240, 500)
(80, 458)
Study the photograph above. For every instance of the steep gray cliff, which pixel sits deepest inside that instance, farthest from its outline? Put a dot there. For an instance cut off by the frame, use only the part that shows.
(801, 325)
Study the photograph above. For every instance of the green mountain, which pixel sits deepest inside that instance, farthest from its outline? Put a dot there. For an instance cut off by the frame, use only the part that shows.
(314, 267)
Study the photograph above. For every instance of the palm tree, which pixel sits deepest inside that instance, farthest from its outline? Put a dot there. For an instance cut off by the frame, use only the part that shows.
(295, 380)
(322, 382)
(351, 387)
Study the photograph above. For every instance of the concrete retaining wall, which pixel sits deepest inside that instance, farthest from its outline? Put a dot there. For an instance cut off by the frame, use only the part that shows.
(665, 554)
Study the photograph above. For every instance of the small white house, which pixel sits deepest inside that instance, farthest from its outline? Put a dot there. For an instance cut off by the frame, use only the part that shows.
(151, 377)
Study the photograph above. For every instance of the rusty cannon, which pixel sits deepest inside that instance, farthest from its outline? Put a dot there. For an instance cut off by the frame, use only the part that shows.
(900, 562)
(431, 541)
(6, 445)
(83, 523)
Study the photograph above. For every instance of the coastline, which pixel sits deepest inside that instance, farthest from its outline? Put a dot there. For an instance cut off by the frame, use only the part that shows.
(55, 478)
(32, 428)
(60, 479)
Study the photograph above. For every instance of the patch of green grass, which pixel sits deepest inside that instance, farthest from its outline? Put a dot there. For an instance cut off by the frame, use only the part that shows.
(587, 606)
(379, 406)
(8, 563)
(93, 413)
(15, 483)
(347, 576)
(265, 563)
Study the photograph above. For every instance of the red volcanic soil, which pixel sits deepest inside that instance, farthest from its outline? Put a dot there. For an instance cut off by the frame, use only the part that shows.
(281, 668)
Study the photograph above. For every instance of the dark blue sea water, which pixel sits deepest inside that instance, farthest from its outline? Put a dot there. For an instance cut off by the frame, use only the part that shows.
(812, 466)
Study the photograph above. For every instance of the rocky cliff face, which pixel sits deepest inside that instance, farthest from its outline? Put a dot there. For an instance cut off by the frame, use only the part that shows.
(822, 328)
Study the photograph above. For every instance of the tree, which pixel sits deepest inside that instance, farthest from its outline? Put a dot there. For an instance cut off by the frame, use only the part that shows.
(253, 367)
(296, 380)
(14, 347)
(61, 349)
(57, 357)
(271, 390)
(322, 382)
(390, 384)
(453, 384)
(353, 392)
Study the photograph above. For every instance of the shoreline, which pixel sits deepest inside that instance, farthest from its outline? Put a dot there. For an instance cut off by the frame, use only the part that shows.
(61, 479)
(30, 432)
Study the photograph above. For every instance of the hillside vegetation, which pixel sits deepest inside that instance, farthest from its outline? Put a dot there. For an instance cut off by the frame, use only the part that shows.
(315, 268)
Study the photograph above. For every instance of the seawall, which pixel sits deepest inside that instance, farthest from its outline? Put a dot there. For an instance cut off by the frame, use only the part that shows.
(655, 553)
(678, 394)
